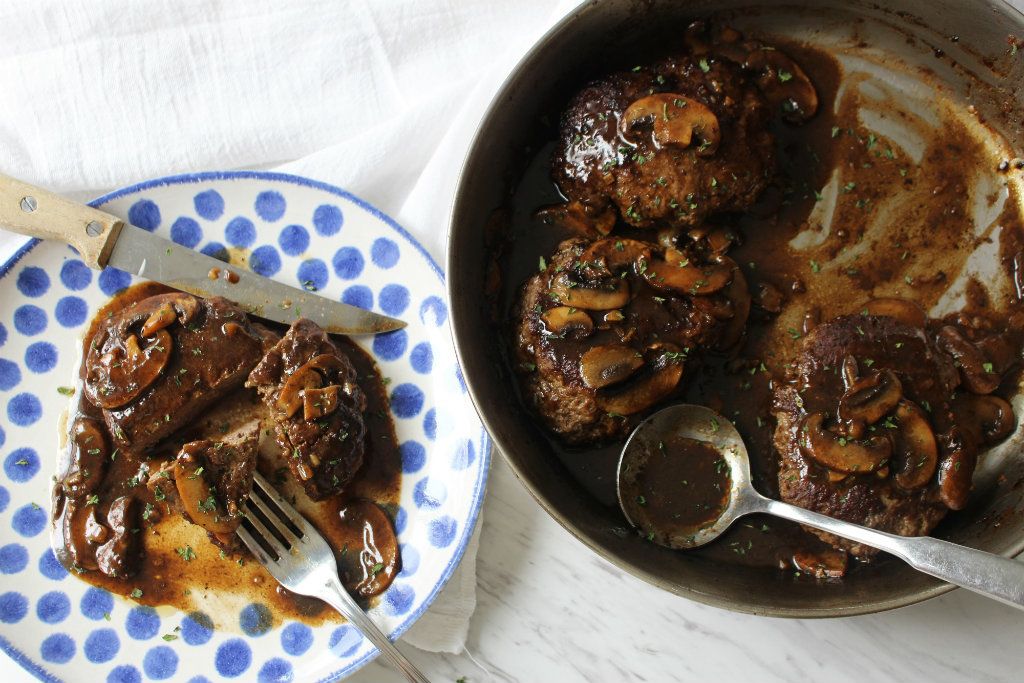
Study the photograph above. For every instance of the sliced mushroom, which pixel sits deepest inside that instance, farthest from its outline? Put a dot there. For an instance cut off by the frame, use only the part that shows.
(851, 370)
(783, 83)
(578, 219)
(89, 458)
(907, 312)
(605, 258)
(974, 369)
(317, 403)
(368, 552)
(675, 120)
(197, 498)
(78, 520)
(867, 401)
(168, 308)
(609, 364)
(678, 274)
(996, 417)
(162, 317)
(289, 399)
(956, 471)
(839, 453)
(647, 390)
(117, 556)
(568, 322)
(915, 452)
(769, 298)
(127, 369)
(613, 294)
(739, 295)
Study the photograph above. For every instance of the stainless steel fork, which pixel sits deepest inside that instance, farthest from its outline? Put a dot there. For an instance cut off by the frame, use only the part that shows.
(302, 562)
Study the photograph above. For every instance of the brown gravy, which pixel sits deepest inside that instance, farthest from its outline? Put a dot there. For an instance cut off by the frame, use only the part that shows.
(851, 216)
(218, 584)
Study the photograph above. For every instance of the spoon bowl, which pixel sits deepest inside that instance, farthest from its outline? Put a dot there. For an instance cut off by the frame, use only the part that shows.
(669, 444)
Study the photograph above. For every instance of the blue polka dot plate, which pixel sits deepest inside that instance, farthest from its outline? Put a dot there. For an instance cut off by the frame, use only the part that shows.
(296, 231)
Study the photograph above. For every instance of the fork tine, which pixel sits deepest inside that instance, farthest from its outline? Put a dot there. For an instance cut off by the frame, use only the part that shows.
(267, 535)
(289, 512)
(254, 546)
(274, 517)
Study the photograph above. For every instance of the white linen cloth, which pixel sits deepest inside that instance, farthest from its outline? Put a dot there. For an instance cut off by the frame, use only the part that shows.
(380, 98)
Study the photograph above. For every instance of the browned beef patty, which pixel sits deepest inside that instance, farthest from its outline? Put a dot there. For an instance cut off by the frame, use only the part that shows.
(605, 331)
(608, 158)
(865, 394)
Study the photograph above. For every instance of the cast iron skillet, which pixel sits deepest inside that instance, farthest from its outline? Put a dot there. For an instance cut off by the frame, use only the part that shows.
(975, 68)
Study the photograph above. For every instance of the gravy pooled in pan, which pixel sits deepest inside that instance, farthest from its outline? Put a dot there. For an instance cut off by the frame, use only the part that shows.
(719, 227)
(182, 400)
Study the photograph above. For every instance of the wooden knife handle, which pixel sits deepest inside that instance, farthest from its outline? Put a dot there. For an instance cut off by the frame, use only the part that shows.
(34, 212)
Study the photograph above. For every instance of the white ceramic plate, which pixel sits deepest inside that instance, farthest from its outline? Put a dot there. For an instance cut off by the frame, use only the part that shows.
(296, 231)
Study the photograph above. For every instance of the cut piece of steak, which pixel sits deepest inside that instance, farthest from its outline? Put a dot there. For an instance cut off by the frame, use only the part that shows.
(310, 386)
(210, 480)
(160, 362)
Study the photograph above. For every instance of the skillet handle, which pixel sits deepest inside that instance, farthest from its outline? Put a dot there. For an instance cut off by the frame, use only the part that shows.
(34, 212)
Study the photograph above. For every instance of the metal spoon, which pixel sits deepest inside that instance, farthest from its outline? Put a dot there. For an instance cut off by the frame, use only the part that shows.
(991, 575)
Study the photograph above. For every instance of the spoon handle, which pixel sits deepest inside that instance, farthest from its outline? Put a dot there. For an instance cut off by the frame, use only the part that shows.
(991, 575)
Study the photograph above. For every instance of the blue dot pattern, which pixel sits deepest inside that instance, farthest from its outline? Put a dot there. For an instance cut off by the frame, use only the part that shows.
(296, 639)
(209, 205)
(233, 658)
(10, 375)
(33, 281)
(160, 663)
(186, 232)
(101, 645)
(348, 263)
(75, 275)
(384, 253)
(327, 220)
(96, 603)
(29, 320)
(71, 311)
(240, 232)
(255, 620)
(40, 357)
(58, 648)
(21, 465)
(275, 670)
(144, 214)
(28, 520)
(124, 674)
(294, 240)
(270, 205)
(143, 623)
(13, 607)
(279, 236)
(265, 260)
(197, 628)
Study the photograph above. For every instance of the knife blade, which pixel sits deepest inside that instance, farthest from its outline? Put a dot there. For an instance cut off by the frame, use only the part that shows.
(102, 239)
(154, 258)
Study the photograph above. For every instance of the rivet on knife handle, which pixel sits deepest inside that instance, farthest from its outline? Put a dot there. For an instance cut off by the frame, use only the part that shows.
(34, 212)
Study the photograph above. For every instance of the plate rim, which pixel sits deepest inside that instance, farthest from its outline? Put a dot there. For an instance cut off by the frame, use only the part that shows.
(487, 444)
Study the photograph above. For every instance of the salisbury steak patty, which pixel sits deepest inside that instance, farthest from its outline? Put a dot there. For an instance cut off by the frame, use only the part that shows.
(310, 386)
(873, 430)
(606, 329)
(667, 144)
(160, 362)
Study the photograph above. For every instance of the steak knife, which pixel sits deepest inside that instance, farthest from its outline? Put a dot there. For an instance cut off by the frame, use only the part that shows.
(102, 239)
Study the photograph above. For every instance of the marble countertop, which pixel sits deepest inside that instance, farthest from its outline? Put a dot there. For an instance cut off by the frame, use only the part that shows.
(551, 610)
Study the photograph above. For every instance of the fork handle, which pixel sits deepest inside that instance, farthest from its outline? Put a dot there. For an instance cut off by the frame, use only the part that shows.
(337, 597)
